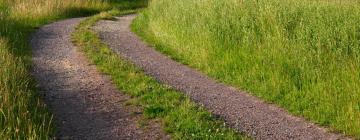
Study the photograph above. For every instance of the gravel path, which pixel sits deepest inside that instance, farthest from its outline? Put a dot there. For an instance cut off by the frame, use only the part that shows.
(241, 111)
(85, 103)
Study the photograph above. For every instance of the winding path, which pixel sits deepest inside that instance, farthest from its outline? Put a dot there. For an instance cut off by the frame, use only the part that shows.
(85, 103)
(241, 111)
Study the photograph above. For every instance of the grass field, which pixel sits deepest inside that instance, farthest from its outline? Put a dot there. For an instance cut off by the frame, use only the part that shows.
(22, 113)
(180, 117)
(303, 55)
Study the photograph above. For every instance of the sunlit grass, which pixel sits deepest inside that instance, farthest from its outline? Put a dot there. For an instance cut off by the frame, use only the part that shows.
(301, 54)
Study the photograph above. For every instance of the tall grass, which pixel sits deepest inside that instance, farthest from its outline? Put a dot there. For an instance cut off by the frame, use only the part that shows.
(22, 113)
(303, 55)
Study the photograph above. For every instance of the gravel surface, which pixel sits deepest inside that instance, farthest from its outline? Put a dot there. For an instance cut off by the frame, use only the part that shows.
(240, 111)
(85, 103)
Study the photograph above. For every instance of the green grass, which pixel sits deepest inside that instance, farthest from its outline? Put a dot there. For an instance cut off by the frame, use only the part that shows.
(303, 55)
(180, 117)
(22, 113)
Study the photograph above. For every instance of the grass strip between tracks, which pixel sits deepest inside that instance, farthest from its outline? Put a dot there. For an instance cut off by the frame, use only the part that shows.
(180, 117)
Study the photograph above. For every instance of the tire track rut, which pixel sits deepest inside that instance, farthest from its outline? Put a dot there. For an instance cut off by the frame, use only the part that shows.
(240, 110)
(84, 102)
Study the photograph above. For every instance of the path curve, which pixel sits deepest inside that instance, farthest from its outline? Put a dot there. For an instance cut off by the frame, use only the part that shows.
(241, 111)
(84, 102)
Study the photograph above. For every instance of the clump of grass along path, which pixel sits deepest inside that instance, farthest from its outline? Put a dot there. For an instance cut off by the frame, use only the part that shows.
(22, 113)
(303, 55)
(181, 117)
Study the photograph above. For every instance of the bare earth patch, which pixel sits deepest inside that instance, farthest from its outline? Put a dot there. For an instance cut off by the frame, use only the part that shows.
(241, 111)
(85, 103)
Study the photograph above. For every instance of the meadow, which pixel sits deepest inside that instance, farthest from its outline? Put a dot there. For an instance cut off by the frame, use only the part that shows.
(303, 55)
(23, 115)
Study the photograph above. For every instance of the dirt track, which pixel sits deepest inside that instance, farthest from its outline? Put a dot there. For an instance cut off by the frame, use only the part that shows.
(240, 110)
(85, 103)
